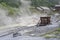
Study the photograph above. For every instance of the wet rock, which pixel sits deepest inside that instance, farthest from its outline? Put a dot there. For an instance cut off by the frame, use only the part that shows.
(16, 34)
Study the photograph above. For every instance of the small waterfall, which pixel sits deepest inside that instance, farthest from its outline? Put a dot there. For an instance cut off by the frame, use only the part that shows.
(24, 8)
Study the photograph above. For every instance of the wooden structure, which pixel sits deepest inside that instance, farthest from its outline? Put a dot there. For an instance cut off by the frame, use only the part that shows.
(57, 7)
(44, 9)
(44, 21)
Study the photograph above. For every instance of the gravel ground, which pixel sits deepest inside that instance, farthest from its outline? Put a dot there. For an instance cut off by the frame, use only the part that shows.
(10, 37)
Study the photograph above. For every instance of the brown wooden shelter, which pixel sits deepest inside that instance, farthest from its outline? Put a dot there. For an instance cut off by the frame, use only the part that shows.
(57, 7)
(44, 21)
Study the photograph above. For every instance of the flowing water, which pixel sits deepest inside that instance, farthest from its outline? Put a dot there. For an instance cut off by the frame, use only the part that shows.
(25, 5)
